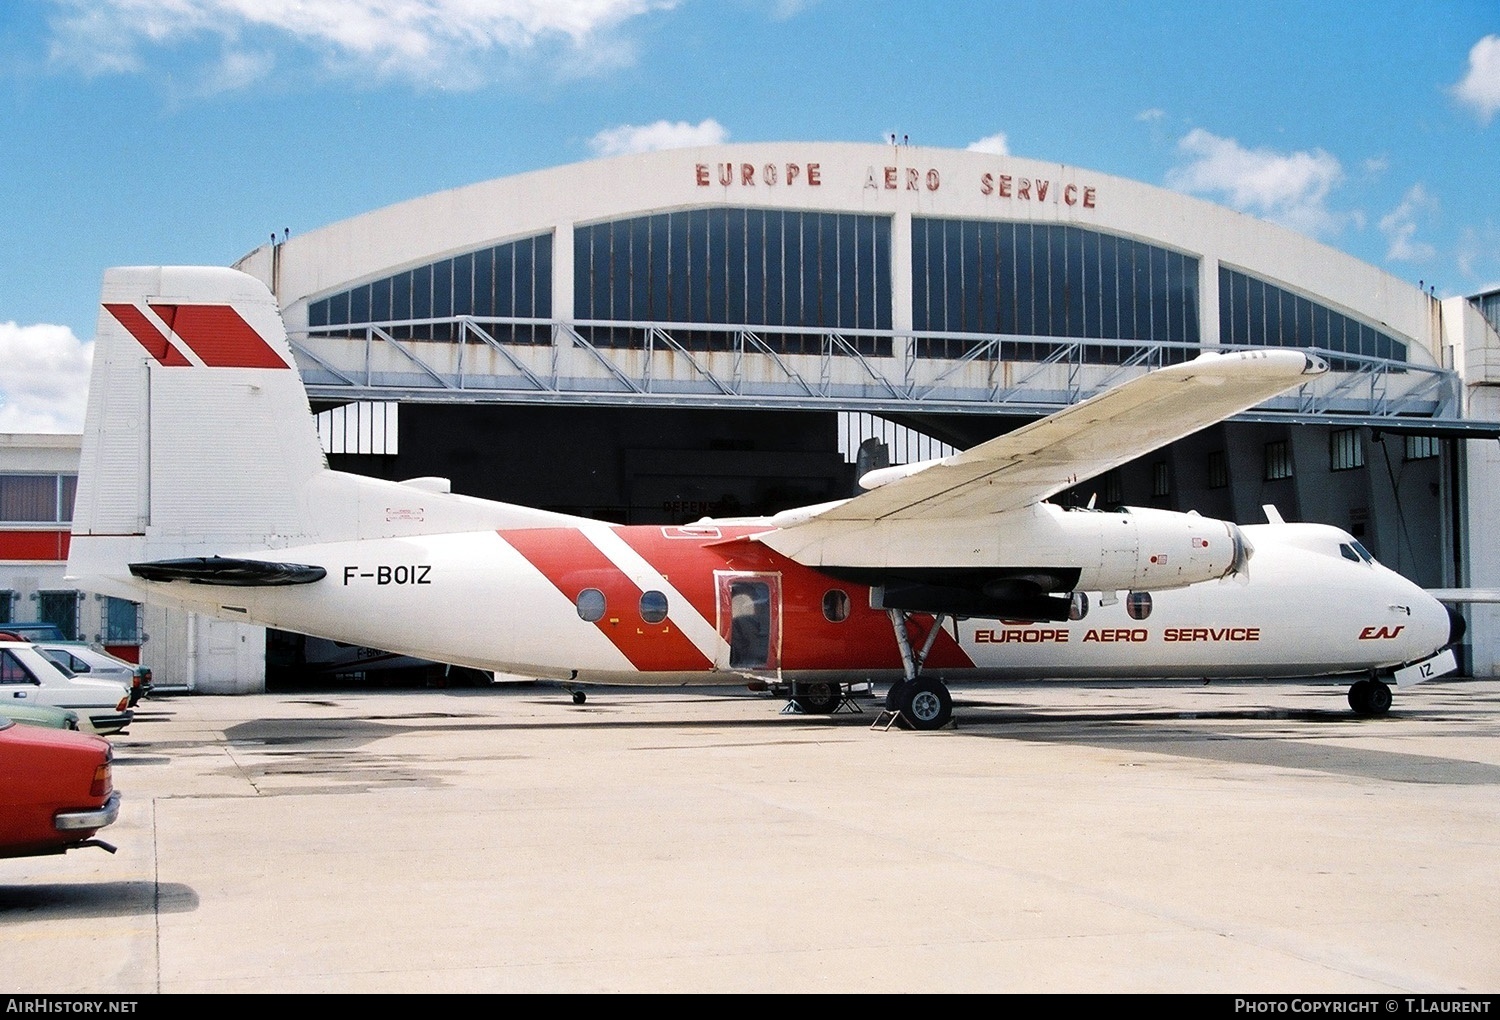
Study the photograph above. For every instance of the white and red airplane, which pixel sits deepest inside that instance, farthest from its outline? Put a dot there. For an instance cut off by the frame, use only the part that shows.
(203, 486)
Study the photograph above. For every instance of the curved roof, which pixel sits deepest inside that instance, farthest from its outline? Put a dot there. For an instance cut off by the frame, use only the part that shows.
(899, 181)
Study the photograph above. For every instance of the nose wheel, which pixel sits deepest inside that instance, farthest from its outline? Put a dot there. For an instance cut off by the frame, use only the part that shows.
(1370, 698)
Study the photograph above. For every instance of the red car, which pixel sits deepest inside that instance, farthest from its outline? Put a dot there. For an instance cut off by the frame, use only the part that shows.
(56, 790)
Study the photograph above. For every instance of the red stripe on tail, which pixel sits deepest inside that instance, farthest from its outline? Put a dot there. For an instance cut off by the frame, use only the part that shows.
(147, 335)
(218, 335)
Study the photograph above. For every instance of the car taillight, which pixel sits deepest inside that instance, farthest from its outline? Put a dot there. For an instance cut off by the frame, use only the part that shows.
(124, 704)
(101, 785)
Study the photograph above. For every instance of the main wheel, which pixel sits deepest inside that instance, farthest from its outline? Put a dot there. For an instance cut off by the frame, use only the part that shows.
(928, 706)
(895, 698)
(579, 697)
(818, 698)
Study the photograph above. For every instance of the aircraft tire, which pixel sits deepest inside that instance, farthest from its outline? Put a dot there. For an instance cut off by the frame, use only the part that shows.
(579, 697)
(895, 698)
(929, 705)
(818, 698)
(1370, 698)
(1359, 697)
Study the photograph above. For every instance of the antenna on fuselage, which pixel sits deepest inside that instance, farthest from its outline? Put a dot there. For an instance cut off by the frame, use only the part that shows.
(1273, 516)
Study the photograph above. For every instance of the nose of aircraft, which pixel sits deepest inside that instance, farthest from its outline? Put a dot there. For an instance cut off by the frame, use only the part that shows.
(1457, 625)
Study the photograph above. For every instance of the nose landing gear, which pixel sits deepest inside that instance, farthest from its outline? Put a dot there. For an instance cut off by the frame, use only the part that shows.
(1370, 697)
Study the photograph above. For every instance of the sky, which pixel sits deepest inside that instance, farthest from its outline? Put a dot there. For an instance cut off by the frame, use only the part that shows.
(187, 131)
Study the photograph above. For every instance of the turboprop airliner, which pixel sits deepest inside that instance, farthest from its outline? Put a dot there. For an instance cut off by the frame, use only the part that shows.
(203, 486)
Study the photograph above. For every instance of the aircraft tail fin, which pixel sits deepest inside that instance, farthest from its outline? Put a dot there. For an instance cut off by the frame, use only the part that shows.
(198, 430)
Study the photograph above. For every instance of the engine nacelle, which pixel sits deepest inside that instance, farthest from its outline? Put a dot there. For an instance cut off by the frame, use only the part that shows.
(1036, 550)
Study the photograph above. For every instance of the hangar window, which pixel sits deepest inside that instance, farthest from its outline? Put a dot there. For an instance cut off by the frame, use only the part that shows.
(37, 498)
(1278, 461)
(60, 608)
(805, 272)
(1161, 479)
(1345, 451)
(653, 606)
(836, 606)
(1255, 312)
(1218, 470)
(1138, 604)
(591, 605)
(122, 621)
(1421, 447)
(7, 600)
(504, 282)
(1048, 280)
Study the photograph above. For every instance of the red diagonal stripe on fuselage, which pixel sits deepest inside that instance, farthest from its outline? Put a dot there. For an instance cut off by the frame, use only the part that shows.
(809, 640)
(218, 335)
(146, 334)
(572, 563)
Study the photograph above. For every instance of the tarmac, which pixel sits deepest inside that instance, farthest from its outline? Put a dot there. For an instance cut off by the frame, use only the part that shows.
(1241, 838)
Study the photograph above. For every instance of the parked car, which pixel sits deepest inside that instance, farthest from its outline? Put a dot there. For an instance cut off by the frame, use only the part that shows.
(28, 677)
(56, 790)
(85, 660)
(35, 630)
(42, 715)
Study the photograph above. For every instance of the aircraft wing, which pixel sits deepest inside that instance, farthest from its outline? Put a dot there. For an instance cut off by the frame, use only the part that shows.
(1082, 441)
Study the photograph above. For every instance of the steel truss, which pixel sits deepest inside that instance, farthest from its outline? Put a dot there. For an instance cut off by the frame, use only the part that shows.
(704, 365)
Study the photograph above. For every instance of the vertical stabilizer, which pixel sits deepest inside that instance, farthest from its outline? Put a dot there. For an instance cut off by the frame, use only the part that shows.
(198, 432)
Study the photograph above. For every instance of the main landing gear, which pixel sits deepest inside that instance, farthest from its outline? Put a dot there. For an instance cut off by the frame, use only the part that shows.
(923, 702)
(1370, 697)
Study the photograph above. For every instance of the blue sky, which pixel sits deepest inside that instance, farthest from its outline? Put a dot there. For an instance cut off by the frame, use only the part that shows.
(186, 131)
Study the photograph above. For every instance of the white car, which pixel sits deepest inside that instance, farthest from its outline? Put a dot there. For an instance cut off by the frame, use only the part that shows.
(29, 677)
(95, 664)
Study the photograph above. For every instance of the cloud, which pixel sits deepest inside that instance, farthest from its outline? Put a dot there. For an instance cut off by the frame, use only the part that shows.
(1478, 256)
(1151, 116)
(1480, 87)
(428, 41)
(1400, 226)
(46, 379)
(996, 145)
(1290, 188)
(663, 134)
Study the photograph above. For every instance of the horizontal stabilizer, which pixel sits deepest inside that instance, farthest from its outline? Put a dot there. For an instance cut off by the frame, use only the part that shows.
(231, 573)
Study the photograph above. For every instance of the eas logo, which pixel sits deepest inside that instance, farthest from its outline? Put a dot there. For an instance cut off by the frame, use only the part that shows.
(1380, 633)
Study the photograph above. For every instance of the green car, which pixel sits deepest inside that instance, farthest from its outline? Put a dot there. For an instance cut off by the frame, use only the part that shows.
(41, 715)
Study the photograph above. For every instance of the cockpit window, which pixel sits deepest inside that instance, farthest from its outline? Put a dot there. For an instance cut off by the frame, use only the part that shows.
(1364, 553)
(1347, 551)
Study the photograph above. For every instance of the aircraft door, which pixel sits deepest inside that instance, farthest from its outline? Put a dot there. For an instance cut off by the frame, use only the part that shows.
(749, 611)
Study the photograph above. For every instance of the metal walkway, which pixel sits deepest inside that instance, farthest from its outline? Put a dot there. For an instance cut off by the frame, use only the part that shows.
(703, 365)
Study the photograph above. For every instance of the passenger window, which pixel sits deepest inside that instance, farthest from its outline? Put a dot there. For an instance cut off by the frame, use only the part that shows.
(836, 606)
(653, 606)
(1138, 604)
(591, 605)
(12, 672)
(1078, 605)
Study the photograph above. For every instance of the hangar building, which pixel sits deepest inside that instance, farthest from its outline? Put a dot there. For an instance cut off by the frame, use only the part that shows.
(660, 336)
